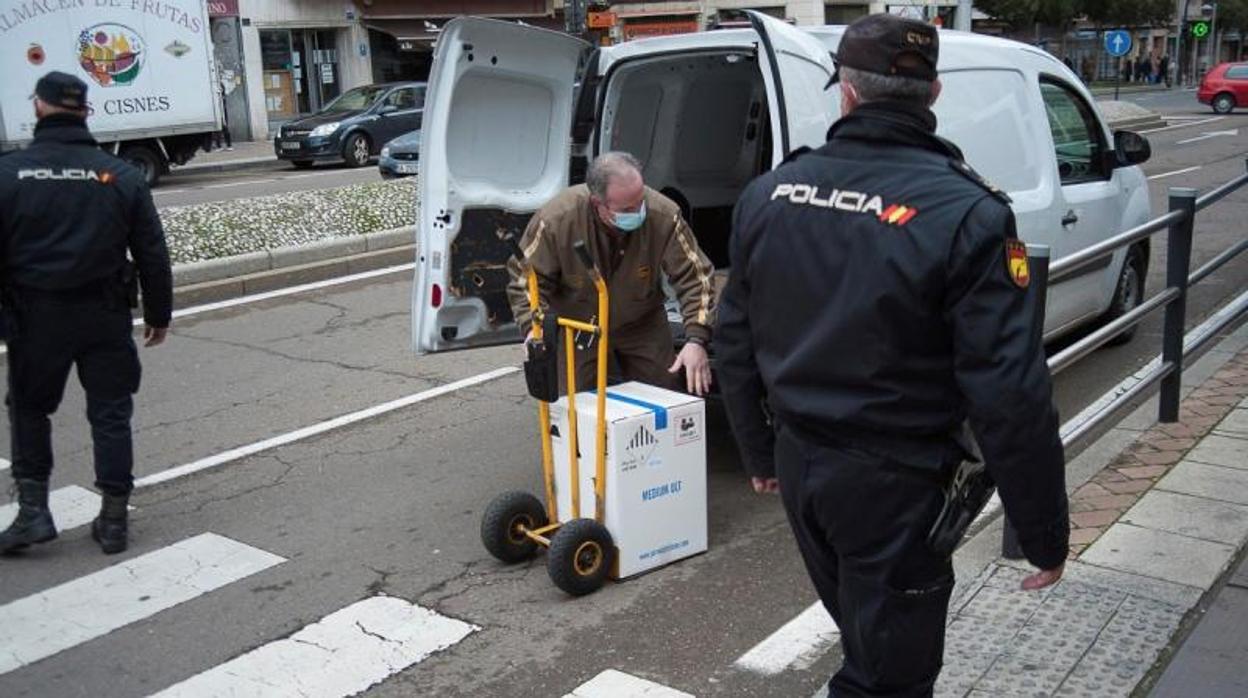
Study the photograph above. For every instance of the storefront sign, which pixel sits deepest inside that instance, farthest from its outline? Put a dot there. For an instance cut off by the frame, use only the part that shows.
(602, 20)
(222, 8)
(636, 30)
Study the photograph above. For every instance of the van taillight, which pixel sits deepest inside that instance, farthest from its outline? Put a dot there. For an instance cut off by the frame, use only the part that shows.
(436, 296)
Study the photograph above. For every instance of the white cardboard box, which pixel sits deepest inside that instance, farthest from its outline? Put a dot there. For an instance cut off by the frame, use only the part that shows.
(656, 472)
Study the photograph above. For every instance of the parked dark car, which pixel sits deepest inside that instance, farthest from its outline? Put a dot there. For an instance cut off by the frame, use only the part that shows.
(400, 157)
(1225, 87)
(353, 127)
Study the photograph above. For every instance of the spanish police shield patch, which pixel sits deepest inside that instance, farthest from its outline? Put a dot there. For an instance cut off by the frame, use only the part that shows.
(1016, 262)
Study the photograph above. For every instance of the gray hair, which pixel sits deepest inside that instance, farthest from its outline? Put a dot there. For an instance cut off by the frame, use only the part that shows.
(607, 166)
(873, 87)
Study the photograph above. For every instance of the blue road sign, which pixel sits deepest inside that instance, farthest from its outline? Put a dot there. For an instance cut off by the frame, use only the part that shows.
(1117, 42)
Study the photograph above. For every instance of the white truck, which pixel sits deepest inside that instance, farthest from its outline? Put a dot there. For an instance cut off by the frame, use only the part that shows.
(148, 68)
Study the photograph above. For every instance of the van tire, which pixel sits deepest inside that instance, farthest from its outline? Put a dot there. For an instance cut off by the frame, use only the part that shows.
(1224, 103)
(1128, 293)
(146, 160)
(357, 151)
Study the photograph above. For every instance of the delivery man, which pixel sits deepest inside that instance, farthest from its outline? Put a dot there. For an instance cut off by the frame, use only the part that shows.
(634, 234)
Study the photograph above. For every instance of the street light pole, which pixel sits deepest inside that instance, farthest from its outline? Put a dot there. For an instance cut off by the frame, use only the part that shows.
(963, 20)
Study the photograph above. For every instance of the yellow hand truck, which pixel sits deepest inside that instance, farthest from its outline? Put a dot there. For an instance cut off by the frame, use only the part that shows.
(515, 524)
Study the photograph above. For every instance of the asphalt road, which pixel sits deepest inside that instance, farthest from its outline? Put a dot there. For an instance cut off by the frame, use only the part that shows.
(391, 505)
(183, 188)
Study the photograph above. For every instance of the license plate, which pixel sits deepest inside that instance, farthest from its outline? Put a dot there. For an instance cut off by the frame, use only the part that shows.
(407, 168)
(291, 145)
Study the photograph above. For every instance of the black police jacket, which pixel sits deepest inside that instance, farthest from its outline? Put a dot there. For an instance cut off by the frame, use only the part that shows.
(69, 212)
(871, 304)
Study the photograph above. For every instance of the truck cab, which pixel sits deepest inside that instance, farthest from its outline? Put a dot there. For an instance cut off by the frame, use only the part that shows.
(514, 114)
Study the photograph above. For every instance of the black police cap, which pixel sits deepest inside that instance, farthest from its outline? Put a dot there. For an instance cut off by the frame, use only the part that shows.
(889, 45)
(62, 90)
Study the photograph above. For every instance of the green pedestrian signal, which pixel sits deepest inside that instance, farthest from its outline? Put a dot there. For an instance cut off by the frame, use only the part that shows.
(1200, 29)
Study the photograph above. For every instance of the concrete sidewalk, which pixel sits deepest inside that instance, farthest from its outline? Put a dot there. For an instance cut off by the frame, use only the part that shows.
(245, 154)
(1155, 528)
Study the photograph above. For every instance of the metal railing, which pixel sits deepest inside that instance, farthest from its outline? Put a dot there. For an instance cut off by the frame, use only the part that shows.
(1180, 222)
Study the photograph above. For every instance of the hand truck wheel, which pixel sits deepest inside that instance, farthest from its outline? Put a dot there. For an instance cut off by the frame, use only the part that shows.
(503, 525)
(580, 557)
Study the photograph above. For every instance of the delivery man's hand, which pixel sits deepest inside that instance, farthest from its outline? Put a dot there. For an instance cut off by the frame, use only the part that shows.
(697, 367)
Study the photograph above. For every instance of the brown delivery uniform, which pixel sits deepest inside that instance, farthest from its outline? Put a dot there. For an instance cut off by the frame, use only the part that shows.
(640, 339)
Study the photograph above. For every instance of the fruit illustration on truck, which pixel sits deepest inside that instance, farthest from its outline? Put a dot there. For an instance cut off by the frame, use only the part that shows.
(111, 54)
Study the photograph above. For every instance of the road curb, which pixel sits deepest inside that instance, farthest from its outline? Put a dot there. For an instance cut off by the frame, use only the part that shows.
(226, 166)
(255, 272)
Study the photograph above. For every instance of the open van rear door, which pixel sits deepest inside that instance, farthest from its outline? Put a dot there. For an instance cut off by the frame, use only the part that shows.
(494, 148)
(796, 68)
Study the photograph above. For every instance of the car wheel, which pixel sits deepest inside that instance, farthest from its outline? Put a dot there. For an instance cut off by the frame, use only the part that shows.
(145, 160)
(357, 150)
(1224, 103)
(1128, 293)
(302, 164)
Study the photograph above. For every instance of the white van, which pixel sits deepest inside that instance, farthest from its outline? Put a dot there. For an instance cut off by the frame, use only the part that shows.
(513, 114)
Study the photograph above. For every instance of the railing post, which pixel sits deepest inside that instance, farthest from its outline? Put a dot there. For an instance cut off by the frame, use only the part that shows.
(1178, 267)
(1038, 264)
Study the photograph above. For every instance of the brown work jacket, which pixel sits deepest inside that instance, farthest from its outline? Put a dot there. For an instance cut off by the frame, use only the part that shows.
(664, 243)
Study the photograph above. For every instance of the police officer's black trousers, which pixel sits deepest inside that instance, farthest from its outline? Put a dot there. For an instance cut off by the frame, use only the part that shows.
(51, 333)
(861, 524)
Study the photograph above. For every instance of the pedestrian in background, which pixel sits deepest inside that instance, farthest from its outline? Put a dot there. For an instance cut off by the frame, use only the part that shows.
(873, 329)
(69, 213)
(224, 133)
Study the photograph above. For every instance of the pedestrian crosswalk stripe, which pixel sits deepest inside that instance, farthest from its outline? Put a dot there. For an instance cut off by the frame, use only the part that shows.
(796, 645)
(71, 507)
(4, 464)
(617, 684)
(342, 654)
(52, 621)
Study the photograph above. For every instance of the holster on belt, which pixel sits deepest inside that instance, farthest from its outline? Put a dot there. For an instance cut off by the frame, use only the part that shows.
(966, 494)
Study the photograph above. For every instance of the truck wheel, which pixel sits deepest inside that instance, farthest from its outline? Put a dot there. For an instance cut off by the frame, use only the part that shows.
(580, 557)
(357, 151)
(1127, 294)
(1224, 103)
(504, 523)
(145, 160)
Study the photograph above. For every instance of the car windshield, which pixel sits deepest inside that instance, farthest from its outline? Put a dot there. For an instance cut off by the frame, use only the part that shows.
(355, 100)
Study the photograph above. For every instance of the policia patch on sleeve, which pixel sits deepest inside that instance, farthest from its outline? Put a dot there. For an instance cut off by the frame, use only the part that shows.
(1016, 262)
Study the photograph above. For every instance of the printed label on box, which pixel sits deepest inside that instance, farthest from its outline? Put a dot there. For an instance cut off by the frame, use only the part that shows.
(688, 428)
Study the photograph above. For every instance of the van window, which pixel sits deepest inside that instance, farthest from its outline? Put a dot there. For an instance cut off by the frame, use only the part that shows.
(1239, 72)
(1077, 138)
(984, 112)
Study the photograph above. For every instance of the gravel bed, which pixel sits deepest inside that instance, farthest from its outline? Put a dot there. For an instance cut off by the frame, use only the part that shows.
(226, 228)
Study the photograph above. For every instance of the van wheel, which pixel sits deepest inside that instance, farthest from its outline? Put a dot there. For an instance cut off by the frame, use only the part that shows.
(145, 160)
(357, 150)
(1127, 294)
(1224, 103)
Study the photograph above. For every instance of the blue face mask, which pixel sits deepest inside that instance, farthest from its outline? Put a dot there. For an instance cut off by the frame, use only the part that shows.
(628, 222)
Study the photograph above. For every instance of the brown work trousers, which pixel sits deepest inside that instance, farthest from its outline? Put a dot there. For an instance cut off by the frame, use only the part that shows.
(640, 352)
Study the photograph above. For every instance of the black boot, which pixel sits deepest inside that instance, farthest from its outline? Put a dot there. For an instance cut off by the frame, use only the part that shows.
(34, 521)
(109, 528)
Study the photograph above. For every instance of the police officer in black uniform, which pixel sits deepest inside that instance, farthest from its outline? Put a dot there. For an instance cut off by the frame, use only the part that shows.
(69, 212)
(905, 314)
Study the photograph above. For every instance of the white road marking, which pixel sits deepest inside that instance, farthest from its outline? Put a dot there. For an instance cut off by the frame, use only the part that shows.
(4, 464)
(71, 506)
(278, 293)
(1186, 125)
(1207, 135)
(320, 428)
(796, 645)
(1176, 172)
(343, 654)
(52, 621)
(617, 684)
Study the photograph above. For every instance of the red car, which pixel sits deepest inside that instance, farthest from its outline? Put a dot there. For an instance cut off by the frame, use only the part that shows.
(1225, 87)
